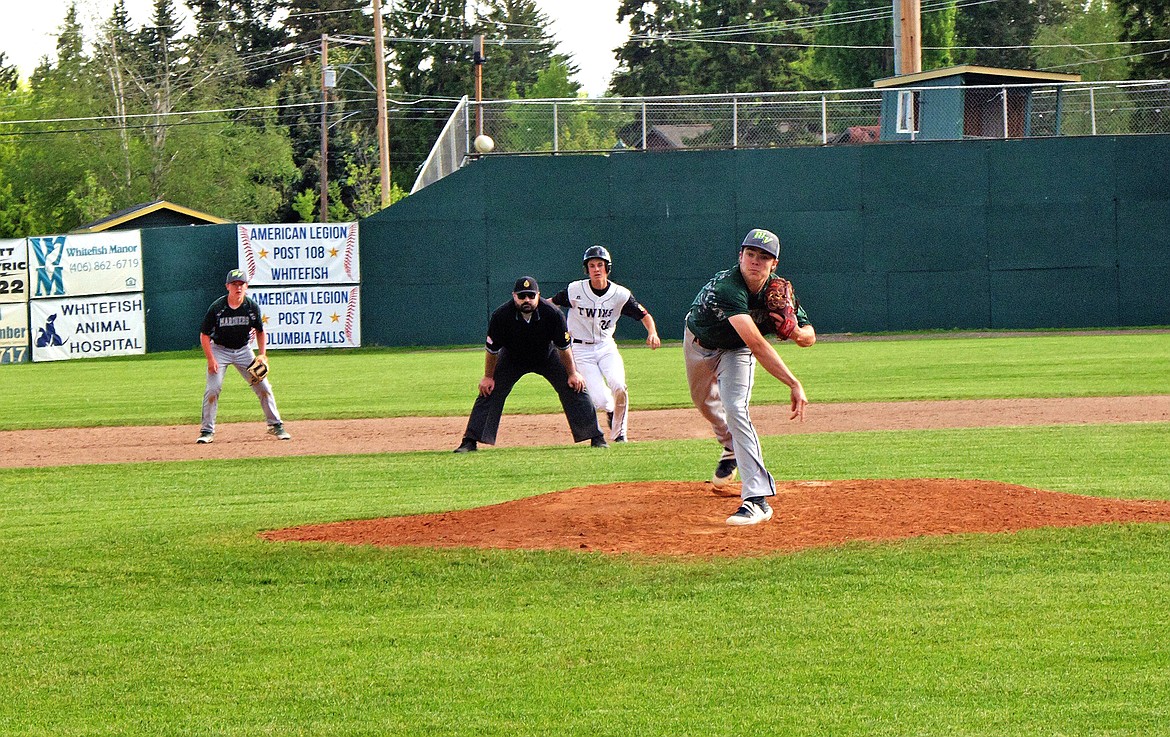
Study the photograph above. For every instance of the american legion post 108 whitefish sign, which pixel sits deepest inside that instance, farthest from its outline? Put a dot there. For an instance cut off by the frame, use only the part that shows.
(305, 278)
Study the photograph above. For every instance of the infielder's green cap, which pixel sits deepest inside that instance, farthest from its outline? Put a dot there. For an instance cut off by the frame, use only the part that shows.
(236, 275)
(765, 240)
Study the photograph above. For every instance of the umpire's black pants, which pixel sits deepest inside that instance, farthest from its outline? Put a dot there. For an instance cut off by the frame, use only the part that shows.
(485, 415)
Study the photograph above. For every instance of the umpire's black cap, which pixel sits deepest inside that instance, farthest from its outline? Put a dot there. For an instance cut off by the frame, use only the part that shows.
(765, 240)
(526, 284)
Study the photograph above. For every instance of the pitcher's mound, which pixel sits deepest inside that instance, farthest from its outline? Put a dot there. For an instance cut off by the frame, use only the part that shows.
(687, 518)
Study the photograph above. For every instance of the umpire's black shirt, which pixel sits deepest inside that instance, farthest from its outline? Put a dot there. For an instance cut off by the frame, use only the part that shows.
(527, 341)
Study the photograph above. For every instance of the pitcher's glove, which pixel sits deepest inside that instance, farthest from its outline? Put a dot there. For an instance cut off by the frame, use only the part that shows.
(257, 370)
(781, 306)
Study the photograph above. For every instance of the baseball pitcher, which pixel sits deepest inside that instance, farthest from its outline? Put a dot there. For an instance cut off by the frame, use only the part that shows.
(723, 340)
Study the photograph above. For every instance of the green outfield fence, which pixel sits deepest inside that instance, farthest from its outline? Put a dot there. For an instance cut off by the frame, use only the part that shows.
(1016, 234)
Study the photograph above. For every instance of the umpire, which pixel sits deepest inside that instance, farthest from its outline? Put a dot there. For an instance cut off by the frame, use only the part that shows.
(528, 335)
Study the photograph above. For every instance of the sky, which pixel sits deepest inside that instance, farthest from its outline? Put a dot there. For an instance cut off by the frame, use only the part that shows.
(586, 29)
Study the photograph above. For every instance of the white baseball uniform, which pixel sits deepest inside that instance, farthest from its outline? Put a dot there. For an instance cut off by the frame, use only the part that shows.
(592, 320)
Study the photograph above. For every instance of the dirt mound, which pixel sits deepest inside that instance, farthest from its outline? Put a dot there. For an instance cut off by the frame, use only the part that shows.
(687, 518)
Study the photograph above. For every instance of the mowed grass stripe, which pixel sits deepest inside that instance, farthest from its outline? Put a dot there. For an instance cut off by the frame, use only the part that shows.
(164, 389)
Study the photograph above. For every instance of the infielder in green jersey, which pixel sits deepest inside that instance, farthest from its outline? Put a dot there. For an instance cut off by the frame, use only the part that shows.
(724, 338)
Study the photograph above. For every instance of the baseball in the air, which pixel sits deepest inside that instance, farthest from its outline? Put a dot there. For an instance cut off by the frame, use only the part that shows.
(484, 143)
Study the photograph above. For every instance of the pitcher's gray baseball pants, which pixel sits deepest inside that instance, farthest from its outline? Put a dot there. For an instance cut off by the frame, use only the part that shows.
(721, 388)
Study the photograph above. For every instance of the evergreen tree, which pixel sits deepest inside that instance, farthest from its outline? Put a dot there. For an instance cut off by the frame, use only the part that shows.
(308, 20)
(758, 61)
(350, 117)
(650, 63)
(1009, 24)
(513, 69)
(711, 46)
(857, 68)
(9, 76)
(249, 30)
(1147, 20)
(432, 61)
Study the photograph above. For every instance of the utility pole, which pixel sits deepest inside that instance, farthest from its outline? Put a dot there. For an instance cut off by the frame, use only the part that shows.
(325, 85)
(478, 58)
(907, 37)
(380, 94)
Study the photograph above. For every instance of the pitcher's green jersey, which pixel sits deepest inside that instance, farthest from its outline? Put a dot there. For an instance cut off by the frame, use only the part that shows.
(723, 297)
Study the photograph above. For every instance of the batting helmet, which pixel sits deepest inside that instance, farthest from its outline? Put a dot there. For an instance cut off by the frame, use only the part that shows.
(765, 240)
(597, 252)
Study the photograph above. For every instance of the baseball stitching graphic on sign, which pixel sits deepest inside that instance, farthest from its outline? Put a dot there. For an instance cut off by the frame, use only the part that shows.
(349, 315)
(248, 252)
(350, 241)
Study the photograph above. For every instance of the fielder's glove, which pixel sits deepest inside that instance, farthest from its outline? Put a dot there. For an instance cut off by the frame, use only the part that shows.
(781, 306)
(257, 370)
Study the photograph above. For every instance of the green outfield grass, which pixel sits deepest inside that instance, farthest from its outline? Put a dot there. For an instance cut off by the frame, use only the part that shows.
(164, 389)
(137, 599)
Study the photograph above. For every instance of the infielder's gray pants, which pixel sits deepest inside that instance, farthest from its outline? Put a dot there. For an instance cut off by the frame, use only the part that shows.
(240, 358)
(721, 388)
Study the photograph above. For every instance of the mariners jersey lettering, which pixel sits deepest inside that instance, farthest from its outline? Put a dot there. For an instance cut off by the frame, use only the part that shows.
(725, 296)
(593, 317)
(232, 328)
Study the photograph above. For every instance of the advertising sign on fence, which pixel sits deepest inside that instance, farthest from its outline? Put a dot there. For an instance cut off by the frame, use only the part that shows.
(310, 317)
(88, 263)
(299, 253)
(13, 270)
(87, 327)
(14, 332)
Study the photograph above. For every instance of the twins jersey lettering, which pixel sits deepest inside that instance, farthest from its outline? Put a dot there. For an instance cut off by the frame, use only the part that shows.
(592, 317)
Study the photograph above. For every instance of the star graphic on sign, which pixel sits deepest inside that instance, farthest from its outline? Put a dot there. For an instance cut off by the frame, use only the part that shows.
(335, 317)
(264, 319)
(263, 253)
(332, 251)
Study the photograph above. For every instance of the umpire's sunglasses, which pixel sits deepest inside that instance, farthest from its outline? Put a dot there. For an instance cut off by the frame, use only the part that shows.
(526, 295)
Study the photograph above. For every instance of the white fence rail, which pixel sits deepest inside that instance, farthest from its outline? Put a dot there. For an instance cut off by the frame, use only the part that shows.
(785, 119)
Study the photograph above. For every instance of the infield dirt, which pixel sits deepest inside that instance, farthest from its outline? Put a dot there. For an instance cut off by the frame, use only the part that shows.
(687, 516)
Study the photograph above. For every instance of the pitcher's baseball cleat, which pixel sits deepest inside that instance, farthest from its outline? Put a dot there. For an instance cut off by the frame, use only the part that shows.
(752, 512)
(205, 438)
(725, 473)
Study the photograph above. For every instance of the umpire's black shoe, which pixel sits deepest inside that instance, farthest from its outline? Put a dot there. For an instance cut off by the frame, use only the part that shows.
(599, 442)
(467, 446)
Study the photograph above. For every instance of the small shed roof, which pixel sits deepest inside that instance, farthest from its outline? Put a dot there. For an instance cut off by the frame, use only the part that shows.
(974, 74)
(157, 214)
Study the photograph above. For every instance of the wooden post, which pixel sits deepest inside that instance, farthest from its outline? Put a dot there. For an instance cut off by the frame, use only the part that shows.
(324, 130)
(380, 95)
(478, 58)
(907, 37)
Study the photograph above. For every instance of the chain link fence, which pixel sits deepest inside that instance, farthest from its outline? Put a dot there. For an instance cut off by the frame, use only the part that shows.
(787, 119)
